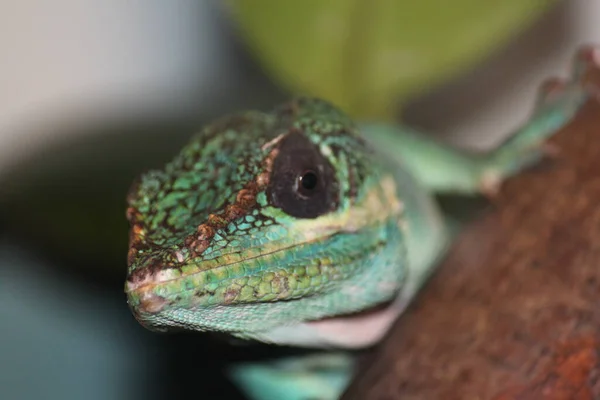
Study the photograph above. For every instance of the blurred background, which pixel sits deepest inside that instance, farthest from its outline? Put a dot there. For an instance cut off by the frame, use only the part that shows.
(94, 93)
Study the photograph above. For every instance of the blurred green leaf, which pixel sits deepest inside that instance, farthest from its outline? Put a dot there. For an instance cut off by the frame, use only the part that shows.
(368, 56)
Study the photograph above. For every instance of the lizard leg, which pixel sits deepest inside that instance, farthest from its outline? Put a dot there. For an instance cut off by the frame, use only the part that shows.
(318, 376)
(444, 169)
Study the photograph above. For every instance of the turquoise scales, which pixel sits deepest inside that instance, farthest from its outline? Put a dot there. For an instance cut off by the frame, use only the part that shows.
(278, 226)
(205, 233)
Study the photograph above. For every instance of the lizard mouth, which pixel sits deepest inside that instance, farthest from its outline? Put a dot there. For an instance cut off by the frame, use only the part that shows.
(236, 278)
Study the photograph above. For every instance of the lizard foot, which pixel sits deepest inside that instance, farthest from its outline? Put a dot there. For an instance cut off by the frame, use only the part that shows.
(585, 65)
(321, 376)
(557, 102)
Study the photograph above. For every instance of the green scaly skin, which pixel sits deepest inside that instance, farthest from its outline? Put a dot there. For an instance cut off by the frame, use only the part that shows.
(228, 238)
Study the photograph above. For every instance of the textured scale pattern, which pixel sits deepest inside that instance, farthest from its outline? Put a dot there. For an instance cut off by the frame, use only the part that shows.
(215, 228)
(231, 237)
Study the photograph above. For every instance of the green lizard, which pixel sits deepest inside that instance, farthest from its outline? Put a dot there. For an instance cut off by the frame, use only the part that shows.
(299, 227)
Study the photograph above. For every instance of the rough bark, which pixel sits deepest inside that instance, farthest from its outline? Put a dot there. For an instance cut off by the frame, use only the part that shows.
(514, 310)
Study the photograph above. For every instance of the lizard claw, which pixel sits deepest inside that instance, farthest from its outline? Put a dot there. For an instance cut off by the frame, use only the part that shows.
(557, 102)
(586, 59)
(550, 150)
(585, 71)
(550, 89)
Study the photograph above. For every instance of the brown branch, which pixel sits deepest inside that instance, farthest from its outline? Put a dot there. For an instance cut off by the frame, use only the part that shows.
(514, 311)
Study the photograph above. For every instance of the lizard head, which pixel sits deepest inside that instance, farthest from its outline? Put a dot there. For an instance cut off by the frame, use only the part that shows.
(263, 224)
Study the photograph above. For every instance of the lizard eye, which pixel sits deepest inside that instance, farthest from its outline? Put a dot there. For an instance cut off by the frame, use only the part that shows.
(307, 183)
(303, 183)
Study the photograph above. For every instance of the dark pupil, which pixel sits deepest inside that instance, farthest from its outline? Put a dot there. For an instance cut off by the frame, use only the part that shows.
(309, 180)
(303, 182)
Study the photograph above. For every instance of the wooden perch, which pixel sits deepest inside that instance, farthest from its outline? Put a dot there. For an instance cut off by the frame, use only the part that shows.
(514, 310)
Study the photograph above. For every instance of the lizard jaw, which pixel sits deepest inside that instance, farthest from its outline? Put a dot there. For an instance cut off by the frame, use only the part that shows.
(245, 282)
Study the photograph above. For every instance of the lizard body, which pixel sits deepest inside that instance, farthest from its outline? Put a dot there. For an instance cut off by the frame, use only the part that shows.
(283, 226)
